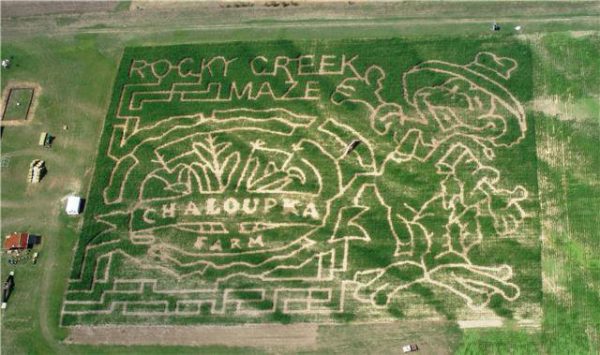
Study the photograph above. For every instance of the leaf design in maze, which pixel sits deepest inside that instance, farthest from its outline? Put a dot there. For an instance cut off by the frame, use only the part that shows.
(216, 164)
(270, 179)
(265, 170)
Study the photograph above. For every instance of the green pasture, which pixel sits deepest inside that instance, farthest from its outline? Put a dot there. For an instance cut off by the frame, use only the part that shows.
(77, 92)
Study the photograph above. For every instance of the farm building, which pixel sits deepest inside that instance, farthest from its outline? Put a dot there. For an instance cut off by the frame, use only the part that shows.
(20, 241)
(73, 205)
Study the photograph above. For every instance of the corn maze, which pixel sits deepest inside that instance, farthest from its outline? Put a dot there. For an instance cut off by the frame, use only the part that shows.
(312, 181)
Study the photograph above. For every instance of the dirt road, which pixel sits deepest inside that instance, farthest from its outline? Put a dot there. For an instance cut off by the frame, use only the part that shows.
(32, 8)
(296, 336)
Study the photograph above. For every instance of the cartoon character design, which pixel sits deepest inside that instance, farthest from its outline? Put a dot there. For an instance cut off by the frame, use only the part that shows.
(457, 116)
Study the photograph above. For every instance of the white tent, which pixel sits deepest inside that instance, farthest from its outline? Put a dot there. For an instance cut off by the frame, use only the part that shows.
(73, 205)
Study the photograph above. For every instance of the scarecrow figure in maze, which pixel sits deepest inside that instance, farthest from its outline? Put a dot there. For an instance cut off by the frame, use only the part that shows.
(460, 116)
(430, 195)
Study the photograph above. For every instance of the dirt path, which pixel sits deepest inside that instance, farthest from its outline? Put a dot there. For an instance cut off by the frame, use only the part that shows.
(480, 323)
(256, 335)
(32, 8)
(109, 28)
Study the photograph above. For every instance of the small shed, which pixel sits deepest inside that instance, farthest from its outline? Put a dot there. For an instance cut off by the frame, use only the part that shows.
(73, 205)
(16, 241)
(21, 241)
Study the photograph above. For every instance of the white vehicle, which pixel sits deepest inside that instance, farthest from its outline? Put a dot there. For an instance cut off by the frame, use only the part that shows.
(410, 348)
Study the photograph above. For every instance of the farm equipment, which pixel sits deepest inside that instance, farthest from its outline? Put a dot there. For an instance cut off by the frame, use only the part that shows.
(45, 140)
(7, 288)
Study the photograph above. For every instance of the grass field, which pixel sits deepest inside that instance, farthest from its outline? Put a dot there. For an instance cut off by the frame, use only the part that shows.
(562, 105)
(18, 103)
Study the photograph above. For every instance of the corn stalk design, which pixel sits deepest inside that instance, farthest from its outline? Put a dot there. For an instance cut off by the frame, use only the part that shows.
(216, 164)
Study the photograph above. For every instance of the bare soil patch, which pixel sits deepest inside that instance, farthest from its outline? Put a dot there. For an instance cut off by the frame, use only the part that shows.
(548, 105)
(580, 34)
(482, 323)
(567, 109)
(255, 335)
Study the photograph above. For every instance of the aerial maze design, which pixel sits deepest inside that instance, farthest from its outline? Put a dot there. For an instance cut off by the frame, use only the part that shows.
(222, 199)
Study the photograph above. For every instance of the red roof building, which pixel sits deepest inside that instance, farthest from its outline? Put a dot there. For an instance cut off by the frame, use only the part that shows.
(16, 241)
